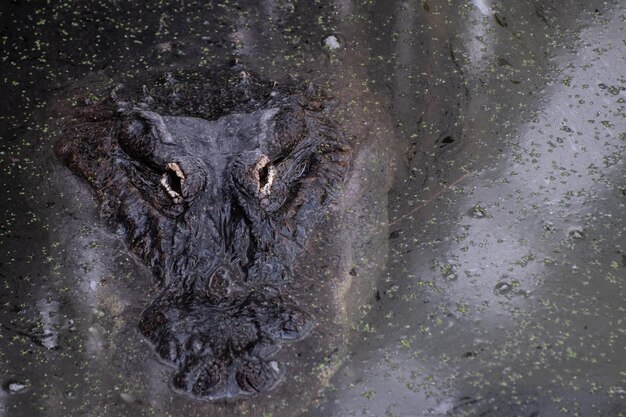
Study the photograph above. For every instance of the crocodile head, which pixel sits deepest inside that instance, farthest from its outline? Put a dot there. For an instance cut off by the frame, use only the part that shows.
(218, 205)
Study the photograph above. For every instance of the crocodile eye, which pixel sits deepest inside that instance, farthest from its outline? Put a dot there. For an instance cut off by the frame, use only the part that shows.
(172, 182)
(264, 173)
(254, 174)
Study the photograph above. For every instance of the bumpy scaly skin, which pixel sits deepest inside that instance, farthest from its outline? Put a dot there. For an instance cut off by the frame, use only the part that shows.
(218, 205)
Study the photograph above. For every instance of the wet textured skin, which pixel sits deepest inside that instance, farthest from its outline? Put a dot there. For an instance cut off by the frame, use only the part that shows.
(216, 187)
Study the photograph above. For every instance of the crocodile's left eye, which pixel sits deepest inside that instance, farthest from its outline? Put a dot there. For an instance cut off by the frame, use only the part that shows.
(254, 174)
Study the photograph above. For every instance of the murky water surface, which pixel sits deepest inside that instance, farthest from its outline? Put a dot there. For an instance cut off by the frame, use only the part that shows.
(486, 209)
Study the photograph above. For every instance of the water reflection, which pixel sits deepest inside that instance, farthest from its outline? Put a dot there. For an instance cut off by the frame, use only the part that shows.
(486, 310)
(480, 32)
(484, 6)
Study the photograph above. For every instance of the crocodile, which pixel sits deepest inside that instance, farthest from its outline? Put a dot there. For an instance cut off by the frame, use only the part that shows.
(215, 181)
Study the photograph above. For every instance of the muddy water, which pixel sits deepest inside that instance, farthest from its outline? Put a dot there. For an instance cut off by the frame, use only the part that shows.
(487, 197)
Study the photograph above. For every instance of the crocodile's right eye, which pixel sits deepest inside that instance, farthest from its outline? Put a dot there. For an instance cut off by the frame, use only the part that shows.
(264, 173)
(172, 181)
